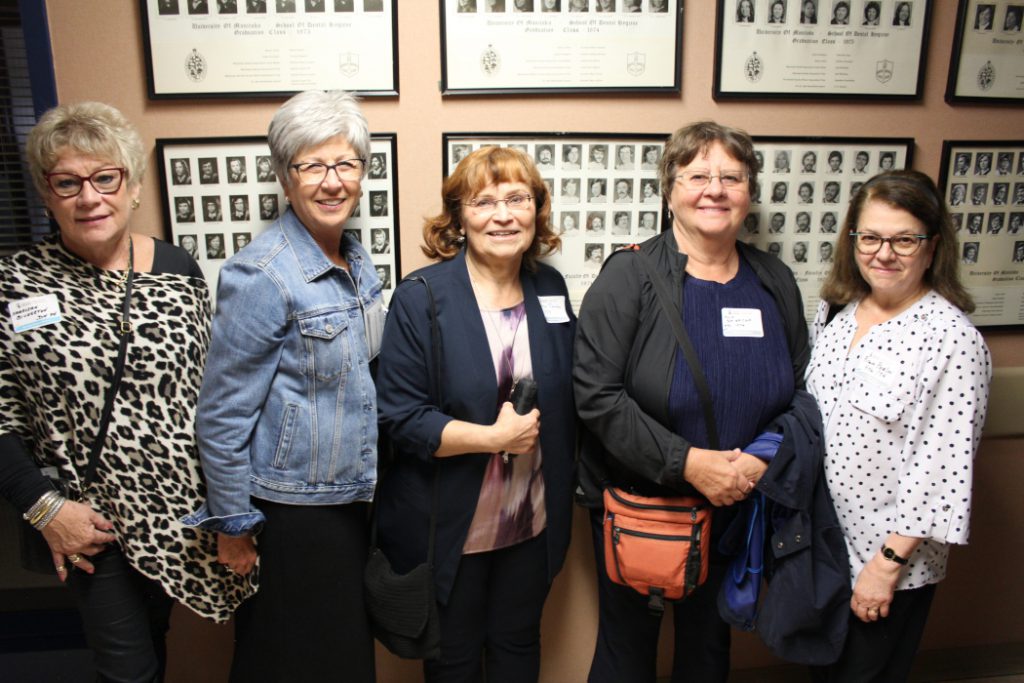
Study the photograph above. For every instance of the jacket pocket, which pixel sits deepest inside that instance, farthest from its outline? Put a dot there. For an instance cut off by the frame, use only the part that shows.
(326, 345)
(284, 439)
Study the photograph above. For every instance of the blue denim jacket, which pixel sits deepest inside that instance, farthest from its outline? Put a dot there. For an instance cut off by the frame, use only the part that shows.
(288, 410)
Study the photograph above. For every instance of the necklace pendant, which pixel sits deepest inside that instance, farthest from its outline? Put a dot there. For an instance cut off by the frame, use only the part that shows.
(504, 457)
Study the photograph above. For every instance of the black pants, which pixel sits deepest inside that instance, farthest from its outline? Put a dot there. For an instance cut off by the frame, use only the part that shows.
(126, 617)
(307, 622)
(627, 632)
(492, 619)
(882, 651)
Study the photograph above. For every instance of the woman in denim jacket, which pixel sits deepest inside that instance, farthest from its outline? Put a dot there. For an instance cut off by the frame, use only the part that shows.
(287, 414)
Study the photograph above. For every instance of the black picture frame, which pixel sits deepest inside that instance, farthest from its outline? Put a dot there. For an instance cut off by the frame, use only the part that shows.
(271, 49)
(982, 182)
(785, 216)
(211, 204)
(996, 80)
(574, 209)
(748, 51)
(489, 53)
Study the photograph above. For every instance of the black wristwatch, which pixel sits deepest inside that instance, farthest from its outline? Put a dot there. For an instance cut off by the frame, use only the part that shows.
(890, 554)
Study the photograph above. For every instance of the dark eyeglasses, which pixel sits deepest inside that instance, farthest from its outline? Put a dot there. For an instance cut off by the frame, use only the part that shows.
(903, 245)
(104, 181)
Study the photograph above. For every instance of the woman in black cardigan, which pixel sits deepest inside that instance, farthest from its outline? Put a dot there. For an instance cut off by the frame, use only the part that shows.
(505, 479)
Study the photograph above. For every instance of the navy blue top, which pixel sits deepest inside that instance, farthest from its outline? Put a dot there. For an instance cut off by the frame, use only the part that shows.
(749, 377)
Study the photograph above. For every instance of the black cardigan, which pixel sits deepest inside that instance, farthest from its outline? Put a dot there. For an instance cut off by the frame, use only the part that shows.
(622, 373)
(469, 388)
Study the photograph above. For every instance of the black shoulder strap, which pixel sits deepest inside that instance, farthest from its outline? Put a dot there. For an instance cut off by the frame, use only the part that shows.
(675, 318)
(124, 331)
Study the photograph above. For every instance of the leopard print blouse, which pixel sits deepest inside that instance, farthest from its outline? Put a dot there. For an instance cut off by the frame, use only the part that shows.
(53, 380)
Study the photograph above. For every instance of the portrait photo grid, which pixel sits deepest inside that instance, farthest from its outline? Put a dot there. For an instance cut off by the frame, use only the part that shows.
(220, 193)
(499, 46)
(986, 52)
(604, 194)
(821, 48)
(805, 186)
(984, 188)
(253, 48)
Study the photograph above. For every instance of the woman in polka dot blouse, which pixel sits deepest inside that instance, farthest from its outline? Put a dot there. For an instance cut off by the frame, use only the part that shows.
(902, 377)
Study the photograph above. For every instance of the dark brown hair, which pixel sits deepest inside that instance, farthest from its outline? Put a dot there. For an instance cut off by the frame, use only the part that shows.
(915, 193)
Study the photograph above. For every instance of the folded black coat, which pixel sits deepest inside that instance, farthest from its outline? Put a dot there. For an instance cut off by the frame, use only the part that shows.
(805, 608)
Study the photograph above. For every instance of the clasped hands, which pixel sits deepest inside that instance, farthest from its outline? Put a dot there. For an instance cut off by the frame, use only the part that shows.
(723, 477)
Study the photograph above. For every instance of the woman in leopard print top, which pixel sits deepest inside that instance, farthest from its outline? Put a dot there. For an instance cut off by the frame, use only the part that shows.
(116, 542)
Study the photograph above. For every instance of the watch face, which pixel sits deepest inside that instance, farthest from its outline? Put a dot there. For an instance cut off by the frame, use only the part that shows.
(890, 554)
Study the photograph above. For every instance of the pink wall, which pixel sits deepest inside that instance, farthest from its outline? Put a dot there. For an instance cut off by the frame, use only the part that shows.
(974, 605)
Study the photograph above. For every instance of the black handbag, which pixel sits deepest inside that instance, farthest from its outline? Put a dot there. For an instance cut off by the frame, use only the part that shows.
(36, 555)
(402, 608)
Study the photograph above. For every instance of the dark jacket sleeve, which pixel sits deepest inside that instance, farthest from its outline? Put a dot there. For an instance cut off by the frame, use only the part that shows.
(610, 321)
(779, 280)
(21, 482)
(408, 414)
(168, 258)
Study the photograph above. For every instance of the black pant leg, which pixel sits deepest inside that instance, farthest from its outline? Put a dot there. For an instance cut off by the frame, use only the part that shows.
(126, 617)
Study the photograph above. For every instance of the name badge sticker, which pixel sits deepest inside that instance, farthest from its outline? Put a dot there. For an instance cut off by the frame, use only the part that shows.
(554, 309)
(742, 322)
(879, 369)
(37, 311)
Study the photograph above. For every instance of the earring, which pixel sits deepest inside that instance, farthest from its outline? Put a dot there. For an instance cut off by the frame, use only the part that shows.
(461, 239)
(135, 204)
(48, 214)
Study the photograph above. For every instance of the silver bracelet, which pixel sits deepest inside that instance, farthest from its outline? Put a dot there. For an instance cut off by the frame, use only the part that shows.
(50, 514)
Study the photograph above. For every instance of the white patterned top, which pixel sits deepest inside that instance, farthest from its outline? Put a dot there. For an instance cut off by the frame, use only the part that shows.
(903, 412)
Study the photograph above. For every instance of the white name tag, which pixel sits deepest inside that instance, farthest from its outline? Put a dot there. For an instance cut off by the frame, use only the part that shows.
(554, 309)
(28, 314)
(742, 322)
(878, 368)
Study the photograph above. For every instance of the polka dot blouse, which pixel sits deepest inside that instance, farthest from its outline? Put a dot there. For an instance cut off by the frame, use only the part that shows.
(903, 412)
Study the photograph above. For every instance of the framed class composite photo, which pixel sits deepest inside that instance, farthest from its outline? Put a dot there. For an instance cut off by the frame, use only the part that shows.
(560, 46)
(220, 193)
(821, 49)
(987, 64)
(604, 192)
(983, 182)
(269, 48)
(805, 187)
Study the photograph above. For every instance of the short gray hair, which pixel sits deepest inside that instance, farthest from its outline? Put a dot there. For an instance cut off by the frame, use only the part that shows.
(88, 128)
(312, 118)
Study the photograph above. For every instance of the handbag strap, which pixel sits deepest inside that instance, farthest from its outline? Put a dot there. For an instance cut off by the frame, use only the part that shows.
(435, 395)
(675, 318)
(124, 331)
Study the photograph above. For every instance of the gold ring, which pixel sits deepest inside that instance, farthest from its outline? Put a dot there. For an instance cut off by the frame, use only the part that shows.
(61, 568)
(75, 558)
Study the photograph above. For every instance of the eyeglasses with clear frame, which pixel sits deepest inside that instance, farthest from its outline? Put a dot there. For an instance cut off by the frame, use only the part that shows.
(487, 205)
(104, 181)
(314, 172)
(699, 180)
(870, 244)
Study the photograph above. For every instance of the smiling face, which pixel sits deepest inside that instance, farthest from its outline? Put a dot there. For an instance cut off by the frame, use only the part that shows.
(324, 207)
(90, 220)
(713, 212)
(501, 235)
(890, 276)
